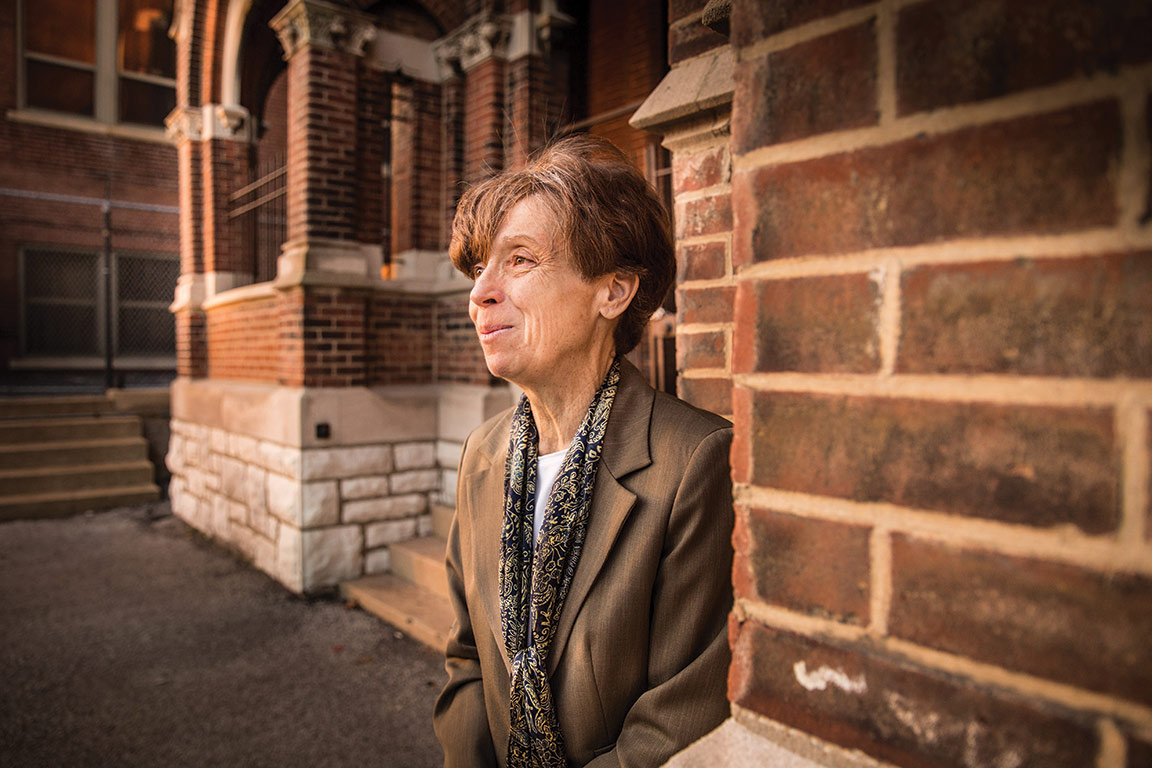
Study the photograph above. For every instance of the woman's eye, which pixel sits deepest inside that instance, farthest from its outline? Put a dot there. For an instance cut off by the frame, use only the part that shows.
(520, 260)
(476, 270)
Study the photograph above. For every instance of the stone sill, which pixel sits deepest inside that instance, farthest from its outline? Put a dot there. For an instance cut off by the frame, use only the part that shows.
(701, 85)
(244, 293)
(88, 125)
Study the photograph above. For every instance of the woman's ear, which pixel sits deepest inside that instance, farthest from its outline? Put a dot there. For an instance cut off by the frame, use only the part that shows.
(621, 287)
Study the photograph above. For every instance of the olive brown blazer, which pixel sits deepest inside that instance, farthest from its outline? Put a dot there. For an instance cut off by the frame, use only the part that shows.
(640, 659)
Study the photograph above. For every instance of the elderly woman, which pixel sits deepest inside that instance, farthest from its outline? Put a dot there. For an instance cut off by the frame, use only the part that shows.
(589, 561)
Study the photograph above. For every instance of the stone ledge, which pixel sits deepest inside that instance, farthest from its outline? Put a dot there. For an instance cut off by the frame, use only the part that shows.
(698, 86)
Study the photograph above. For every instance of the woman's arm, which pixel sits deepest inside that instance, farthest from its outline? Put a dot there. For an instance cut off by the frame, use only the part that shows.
(692, 596)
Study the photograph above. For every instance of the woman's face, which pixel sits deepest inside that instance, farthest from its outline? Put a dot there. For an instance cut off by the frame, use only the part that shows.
(538, 319)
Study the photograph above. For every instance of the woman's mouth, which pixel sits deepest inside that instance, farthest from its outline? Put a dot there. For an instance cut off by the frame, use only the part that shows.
(487, 332)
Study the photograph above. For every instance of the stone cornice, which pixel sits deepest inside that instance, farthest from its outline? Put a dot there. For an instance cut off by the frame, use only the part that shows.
(484, 36)
(185, 124)
(322, 25)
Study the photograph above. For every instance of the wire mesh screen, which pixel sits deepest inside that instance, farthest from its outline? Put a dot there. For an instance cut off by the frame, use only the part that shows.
(260, 210)
(64, 303)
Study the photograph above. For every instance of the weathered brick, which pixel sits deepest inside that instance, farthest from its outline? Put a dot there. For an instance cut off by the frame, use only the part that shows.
(817, 567)
(1041, 174)
(710, 394)
(897, 712)
(1039, 466)
(814, 324)
(704, 305)
(705, 216)
(956, 51)
(700, 262)
(697, 170)
(692, 39)
(678, 9)
(743, 402)
(701, 350)
(753, 20)
(826, 84)
(1052, 620)
(1054, 317)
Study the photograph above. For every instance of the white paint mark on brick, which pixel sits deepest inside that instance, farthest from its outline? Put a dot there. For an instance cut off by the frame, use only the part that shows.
(819, 679)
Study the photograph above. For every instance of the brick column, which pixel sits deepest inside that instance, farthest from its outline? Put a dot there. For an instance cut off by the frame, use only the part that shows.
(184, 130)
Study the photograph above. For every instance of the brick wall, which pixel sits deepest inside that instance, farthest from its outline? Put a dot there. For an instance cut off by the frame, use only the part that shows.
(459, 357)
(400, 339)
(243, 341)
(941, 344)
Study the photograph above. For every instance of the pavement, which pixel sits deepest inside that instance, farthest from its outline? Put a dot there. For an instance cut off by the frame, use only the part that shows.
(126, 639)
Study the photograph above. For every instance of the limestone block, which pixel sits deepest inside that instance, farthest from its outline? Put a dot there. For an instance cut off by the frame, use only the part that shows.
(448, 453)
(220, 523)
(237, 512)
(279, 458)
(331, 555)
(337, 463)
(196, 482)
(255, 494)
(447, 494)
(415, 481)
(219, 440)
(424, 526)
(244, 539)
(191, 451)
(289, 559)
(212, 482)
(364, 487)
(242, 447)
(414, 455)
(382, 534)
(264, 554)
(174, 459)
(377, 561)
(320, 504)
(264, 524)
(390, 508)
(283, 498)
(234, 478)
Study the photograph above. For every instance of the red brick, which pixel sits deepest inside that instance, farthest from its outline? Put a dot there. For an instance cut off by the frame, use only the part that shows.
(704, 305)
(754, 20)
(1087, 316)
(1052, 620)
(817, 567)
(956, 51)
(1039, 466)
(697, 170)
(706, 216)
(813, 324)
(743, 401)
(826, 84)
(692, 39)
(701, 262)
(701, 350)
(710, 394)
(1041, 174)
(895, 711)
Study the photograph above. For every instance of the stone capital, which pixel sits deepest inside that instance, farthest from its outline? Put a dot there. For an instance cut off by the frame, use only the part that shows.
(484, 36)
(184, 124)
(322, 25)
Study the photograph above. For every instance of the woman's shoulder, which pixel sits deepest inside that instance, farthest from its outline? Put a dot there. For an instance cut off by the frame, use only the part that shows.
(671, 414)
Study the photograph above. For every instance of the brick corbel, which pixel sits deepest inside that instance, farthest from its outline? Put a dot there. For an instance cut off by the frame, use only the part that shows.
(484, 36)
(322, 25)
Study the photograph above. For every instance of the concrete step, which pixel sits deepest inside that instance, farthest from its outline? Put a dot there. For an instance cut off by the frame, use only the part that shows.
(18, 482)
(46, 407)
(442, 519)
(421, 562)
(67, 429)
(73, 454)
(64, 503)
(420, 613)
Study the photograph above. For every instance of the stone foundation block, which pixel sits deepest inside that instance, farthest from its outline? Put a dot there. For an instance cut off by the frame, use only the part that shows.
(331, 555)
(364, 487)
(415, 481)
(389, 508)
(338, 463)
(377, 561)
(320, 504)
(414, 455)
(382, 534)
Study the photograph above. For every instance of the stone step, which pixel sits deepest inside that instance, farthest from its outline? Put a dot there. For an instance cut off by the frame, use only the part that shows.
(18, 482)
(442, 519)
(73, 454)
(47, 407)
(421, 562)
(64, 503)
(423, 615)
(67, 429)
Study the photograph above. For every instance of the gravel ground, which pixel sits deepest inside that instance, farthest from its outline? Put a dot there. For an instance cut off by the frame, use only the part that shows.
(127, 640)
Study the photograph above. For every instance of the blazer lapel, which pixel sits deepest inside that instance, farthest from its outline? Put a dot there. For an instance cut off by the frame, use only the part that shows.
(625, 451)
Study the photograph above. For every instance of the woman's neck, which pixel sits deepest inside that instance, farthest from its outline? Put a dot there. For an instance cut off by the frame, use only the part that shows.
(559, 409)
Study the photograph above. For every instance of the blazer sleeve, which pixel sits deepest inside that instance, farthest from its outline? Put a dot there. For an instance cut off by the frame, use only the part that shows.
(688, 651)
(460, 719)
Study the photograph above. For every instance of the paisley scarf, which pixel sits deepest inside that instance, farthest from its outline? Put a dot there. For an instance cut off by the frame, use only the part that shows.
(533, 585)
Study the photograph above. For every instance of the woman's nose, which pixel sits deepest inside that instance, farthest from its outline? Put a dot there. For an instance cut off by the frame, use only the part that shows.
(486, 289)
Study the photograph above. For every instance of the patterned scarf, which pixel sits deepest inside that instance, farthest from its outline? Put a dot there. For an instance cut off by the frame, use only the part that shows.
(533, 585)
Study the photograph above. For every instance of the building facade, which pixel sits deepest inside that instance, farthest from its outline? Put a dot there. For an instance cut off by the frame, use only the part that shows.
(914, 268)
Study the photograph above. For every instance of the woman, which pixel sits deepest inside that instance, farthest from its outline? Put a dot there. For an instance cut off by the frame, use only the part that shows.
(589, 560)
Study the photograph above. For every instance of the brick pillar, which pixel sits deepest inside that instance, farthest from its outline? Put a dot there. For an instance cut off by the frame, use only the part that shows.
(943, 385)
(184, 130)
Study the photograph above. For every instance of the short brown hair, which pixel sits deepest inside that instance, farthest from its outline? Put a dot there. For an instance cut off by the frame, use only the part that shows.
(610, 220)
